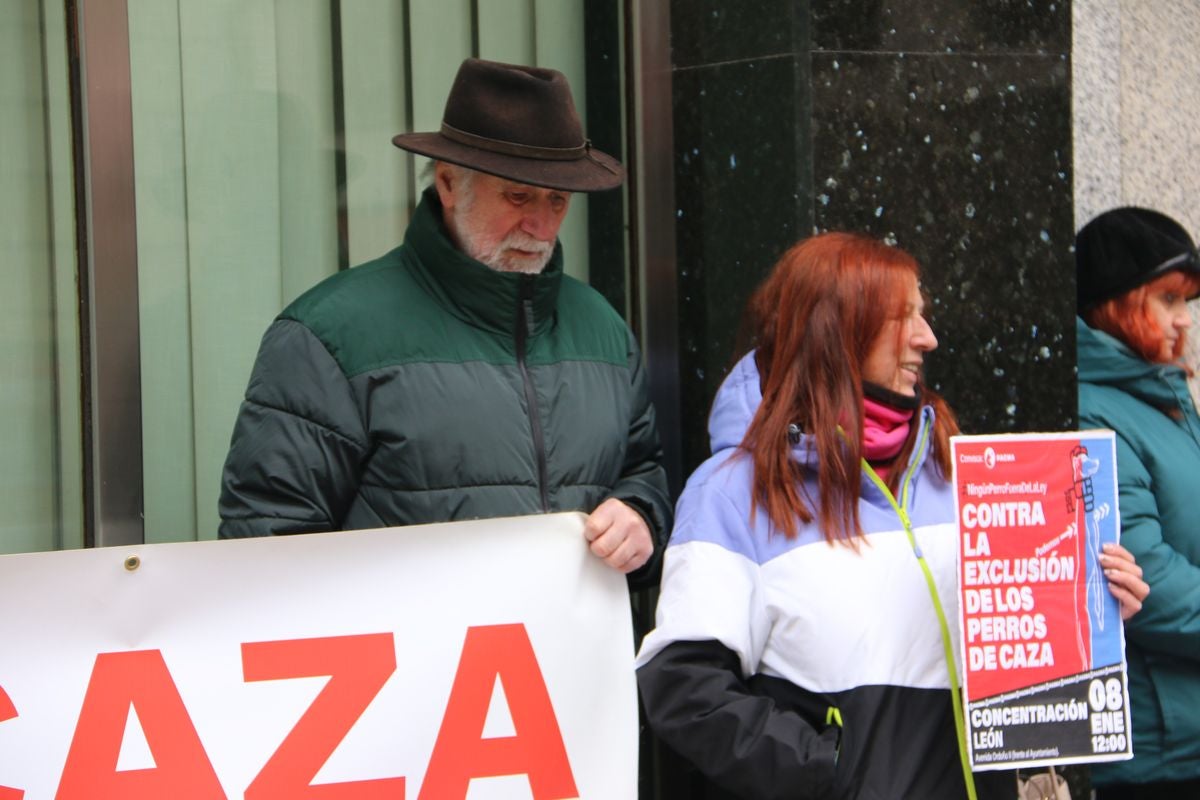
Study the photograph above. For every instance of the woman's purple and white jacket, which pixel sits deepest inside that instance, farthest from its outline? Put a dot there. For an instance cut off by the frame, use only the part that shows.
(763, 644)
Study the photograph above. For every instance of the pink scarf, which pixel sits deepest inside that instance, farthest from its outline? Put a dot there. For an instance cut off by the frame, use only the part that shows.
(885, 428)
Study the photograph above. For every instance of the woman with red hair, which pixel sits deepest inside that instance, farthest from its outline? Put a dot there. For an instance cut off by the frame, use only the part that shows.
(799, 651)
(1135, 271)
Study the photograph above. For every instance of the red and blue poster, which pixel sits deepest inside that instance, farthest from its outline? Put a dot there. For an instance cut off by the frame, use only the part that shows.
(1041, 639)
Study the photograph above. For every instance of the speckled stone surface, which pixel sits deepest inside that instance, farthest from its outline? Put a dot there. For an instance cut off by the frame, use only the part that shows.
(965, 162)
(712, 32)
(737, 167)
(945, 26)
(1096, 80)
(941, 124)
(1160, 100)
(1160, 134)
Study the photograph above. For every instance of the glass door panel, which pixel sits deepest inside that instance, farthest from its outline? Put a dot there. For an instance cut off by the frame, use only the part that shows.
(41, 484)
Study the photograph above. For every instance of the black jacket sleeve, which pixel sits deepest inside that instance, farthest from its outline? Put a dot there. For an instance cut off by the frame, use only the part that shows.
(298, 443)
(698, 704)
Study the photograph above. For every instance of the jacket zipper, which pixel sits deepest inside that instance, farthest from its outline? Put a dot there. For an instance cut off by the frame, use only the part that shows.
(524, 330)
(901, 509)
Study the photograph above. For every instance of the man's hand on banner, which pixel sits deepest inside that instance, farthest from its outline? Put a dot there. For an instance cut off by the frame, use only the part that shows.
(619, 535)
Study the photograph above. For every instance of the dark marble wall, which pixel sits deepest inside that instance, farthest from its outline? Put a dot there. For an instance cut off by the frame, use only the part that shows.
(743, 179)
(942, 125)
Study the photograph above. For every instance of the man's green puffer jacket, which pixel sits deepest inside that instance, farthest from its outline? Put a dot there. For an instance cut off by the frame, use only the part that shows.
(400, 392)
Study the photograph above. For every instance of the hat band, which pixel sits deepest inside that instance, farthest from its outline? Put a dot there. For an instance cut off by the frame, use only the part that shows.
(514, 148)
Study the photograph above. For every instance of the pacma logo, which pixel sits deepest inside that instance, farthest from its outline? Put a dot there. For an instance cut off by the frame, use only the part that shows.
(990, 457)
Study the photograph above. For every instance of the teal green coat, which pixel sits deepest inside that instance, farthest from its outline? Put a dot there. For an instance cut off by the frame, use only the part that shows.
(1158, 469)
(425, 387)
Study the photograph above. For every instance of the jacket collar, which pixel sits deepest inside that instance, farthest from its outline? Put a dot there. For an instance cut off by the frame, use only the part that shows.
(916, 460)
(472, 291)
(1105, 360)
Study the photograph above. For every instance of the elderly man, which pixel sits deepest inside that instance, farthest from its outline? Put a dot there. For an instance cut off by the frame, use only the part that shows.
(462, 375)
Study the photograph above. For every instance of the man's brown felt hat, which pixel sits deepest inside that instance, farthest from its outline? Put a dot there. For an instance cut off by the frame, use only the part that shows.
(518, 123)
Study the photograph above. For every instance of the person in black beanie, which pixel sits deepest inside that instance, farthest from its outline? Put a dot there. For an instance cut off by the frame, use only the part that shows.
(1136, 269)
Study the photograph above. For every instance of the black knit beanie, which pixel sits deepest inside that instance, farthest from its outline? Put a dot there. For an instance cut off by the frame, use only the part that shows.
(1126, 247)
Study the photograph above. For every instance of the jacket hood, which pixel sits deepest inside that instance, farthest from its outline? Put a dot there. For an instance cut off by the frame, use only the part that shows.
(734, 406)
(1106, 361)
(739, 397)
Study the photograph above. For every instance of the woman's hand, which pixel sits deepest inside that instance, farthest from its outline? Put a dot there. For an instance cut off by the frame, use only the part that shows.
(1124, 579)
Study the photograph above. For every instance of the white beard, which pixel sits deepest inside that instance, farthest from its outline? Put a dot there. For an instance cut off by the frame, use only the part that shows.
(499, 255)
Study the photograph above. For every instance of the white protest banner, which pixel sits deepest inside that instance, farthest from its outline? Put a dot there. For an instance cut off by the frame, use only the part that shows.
(488, 659)
(1042, 641)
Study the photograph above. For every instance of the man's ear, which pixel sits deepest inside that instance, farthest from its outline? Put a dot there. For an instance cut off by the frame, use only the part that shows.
(444, 180)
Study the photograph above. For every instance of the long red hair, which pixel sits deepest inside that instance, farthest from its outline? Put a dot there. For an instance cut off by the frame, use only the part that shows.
(813, 321)
(1128, 317)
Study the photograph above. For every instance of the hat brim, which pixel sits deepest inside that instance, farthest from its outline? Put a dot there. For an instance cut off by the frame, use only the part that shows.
(594, 172)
